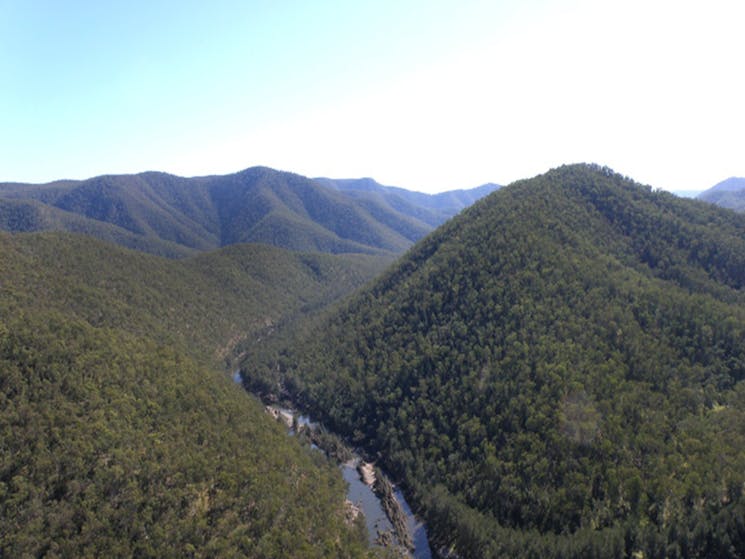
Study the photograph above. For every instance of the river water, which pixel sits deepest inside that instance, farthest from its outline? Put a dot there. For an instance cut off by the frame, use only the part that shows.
(363, 496)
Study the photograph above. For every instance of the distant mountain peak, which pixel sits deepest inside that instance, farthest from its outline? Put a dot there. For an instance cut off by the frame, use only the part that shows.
(729, 185)
(730, 193)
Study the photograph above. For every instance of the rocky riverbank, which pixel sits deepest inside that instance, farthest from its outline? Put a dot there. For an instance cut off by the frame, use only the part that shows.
(381, 499)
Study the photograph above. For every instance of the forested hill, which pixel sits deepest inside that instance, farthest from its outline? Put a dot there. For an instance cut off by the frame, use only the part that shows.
(175, 216)
(556, 372)
(121, 438)
(729, 193)
(212, 303)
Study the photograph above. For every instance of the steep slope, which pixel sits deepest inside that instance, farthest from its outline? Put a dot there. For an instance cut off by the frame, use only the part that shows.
(556, 372)
(28, 215)
(116, 447)
(120, 438)
(729, 193)
(174, 216)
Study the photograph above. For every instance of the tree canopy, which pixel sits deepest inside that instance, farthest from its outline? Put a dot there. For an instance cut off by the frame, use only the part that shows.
(120, 436)
(555, 372)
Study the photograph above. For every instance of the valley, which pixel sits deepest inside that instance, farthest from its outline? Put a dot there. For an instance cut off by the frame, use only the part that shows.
(363, 493)
(549, 369)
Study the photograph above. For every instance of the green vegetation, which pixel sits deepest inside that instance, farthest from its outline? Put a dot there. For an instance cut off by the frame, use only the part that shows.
(23, 216)
(175, 217)
(118, 435)
(114, 447)
(211, 304)
(556, 372)
(328, 442)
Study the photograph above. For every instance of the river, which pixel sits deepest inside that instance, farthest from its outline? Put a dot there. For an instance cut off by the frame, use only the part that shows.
(362, 495)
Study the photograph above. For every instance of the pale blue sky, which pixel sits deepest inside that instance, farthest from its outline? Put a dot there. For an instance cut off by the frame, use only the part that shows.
(428, 95)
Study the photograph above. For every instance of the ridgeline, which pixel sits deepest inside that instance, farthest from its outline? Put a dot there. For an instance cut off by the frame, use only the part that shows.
(175, 216)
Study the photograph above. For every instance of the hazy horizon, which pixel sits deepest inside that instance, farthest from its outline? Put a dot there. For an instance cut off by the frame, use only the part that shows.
(424, 96)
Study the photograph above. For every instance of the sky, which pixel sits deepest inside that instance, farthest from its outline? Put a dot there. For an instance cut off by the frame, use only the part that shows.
(429, 95)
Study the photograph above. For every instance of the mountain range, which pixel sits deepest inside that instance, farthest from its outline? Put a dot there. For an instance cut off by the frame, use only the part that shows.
(175, 216)
(553, 368)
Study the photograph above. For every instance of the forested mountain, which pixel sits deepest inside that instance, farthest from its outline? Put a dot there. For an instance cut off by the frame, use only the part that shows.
(175, 216)
(119, 436)
(432, 209)
(28, 215)
(556, 372)
(729, 193)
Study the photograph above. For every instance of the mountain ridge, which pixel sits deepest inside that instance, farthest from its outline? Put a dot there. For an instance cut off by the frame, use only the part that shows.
(730, 193)
(176, 216)
(433, 209)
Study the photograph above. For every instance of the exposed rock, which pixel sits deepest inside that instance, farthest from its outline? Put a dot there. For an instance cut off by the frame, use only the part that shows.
(367, 471)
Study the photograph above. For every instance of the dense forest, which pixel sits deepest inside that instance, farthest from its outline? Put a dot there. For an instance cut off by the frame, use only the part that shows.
(121, 434)
(211, 303)
(176, 216)
(556, 372)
